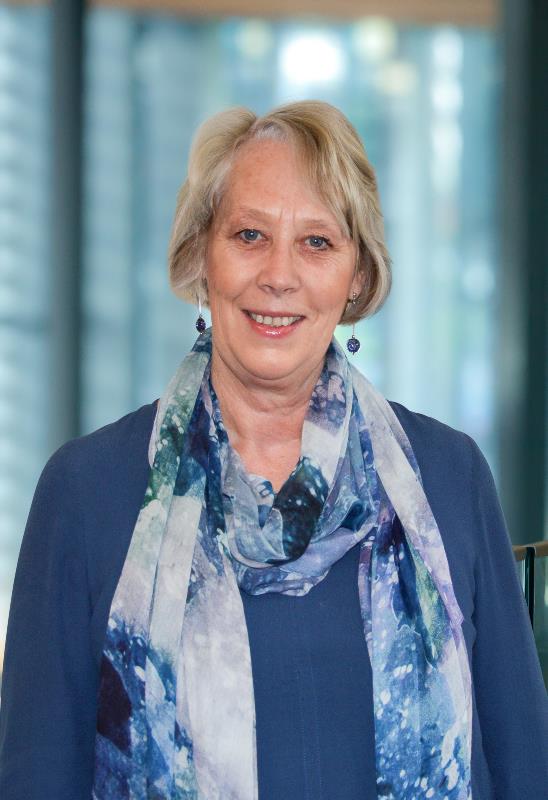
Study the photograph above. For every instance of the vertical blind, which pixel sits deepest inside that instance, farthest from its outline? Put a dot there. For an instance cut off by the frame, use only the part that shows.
(25, 305)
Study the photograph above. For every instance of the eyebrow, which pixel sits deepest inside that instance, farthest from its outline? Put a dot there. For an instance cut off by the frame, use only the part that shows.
(311, 221)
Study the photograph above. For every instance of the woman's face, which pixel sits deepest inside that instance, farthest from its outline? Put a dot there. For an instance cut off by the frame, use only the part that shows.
(275, 254)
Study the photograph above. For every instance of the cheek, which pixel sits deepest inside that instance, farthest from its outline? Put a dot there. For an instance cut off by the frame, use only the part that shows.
(220, 277)
(226, 274)
(331, 290)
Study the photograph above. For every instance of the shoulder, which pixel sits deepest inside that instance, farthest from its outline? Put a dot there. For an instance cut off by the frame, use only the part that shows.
(109, 447)
(437, 445)
(456, 476)
(461, 492)
(458, 482)
(89, 494)
(94, 474)
(428, 431)
(84, 472)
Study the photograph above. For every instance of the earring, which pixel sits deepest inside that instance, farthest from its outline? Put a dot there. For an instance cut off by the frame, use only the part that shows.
(200, 322)
(353, 344)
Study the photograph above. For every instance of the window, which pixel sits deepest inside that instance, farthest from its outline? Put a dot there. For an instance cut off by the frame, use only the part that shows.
(423, 98)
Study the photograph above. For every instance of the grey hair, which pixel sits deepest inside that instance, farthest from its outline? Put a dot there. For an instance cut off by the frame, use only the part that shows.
(337, 165)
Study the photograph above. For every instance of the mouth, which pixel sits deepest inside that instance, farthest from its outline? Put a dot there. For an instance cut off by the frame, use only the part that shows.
(274, 319)
(273, 323)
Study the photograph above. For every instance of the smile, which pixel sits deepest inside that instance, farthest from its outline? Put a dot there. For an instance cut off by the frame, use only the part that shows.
(275, 322)
(273, 325)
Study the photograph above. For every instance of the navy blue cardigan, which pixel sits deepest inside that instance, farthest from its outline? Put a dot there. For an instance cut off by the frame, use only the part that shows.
(311, 670)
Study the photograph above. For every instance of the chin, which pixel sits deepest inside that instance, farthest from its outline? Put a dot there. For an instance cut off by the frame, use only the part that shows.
(270, 366)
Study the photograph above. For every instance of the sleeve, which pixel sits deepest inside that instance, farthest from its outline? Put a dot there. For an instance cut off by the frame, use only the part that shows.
(511, 698)
(49, 686)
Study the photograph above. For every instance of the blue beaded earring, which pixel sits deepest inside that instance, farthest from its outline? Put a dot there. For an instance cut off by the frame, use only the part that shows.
(353, 344)
(200, 322)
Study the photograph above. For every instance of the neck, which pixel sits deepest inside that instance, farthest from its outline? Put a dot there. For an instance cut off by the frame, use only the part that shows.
(259, 418)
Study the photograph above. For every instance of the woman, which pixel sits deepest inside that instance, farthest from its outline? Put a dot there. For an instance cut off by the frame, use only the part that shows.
(271, 583)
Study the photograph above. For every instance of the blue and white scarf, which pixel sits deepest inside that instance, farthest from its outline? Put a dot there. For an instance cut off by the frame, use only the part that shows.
(176, 714)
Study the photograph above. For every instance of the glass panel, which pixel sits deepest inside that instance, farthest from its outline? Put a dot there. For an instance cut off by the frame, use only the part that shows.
(540, 618)
(25, 307)
(540, 611)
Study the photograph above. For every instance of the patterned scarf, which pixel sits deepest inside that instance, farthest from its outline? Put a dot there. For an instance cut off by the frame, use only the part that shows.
(176, 714)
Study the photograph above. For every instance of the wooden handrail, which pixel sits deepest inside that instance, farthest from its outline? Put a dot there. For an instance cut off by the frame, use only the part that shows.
(520, 551)
(541, 549)
(465, 12)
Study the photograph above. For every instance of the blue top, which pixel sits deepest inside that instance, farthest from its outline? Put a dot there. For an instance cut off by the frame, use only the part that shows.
(311, 669)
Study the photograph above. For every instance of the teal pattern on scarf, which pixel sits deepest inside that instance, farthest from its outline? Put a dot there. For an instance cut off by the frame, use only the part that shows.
(176, 714)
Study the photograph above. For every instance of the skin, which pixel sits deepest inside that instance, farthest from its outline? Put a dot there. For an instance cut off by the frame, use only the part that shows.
(273, 246)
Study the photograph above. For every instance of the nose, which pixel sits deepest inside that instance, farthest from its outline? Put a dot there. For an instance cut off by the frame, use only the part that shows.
(278, 271)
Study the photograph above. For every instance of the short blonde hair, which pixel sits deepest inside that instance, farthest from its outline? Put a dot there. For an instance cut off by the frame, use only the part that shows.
(334, 159)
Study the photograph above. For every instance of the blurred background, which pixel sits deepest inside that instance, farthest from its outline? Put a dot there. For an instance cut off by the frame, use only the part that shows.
(98, 104)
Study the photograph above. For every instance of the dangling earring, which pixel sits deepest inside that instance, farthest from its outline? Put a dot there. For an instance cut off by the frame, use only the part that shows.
(353, 344)
(200, 322)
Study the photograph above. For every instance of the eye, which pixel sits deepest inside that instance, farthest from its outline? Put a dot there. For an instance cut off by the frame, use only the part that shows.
(318, 242)
(249, 235)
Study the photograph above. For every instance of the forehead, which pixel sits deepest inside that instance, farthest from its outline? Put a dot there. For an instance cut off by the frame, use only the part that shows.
(271, 174)
(273, 178)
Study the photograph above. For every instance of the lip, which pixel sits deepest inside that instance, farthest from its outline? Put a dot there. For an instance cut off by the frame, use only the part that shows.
(272, 313)
(270, 331)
